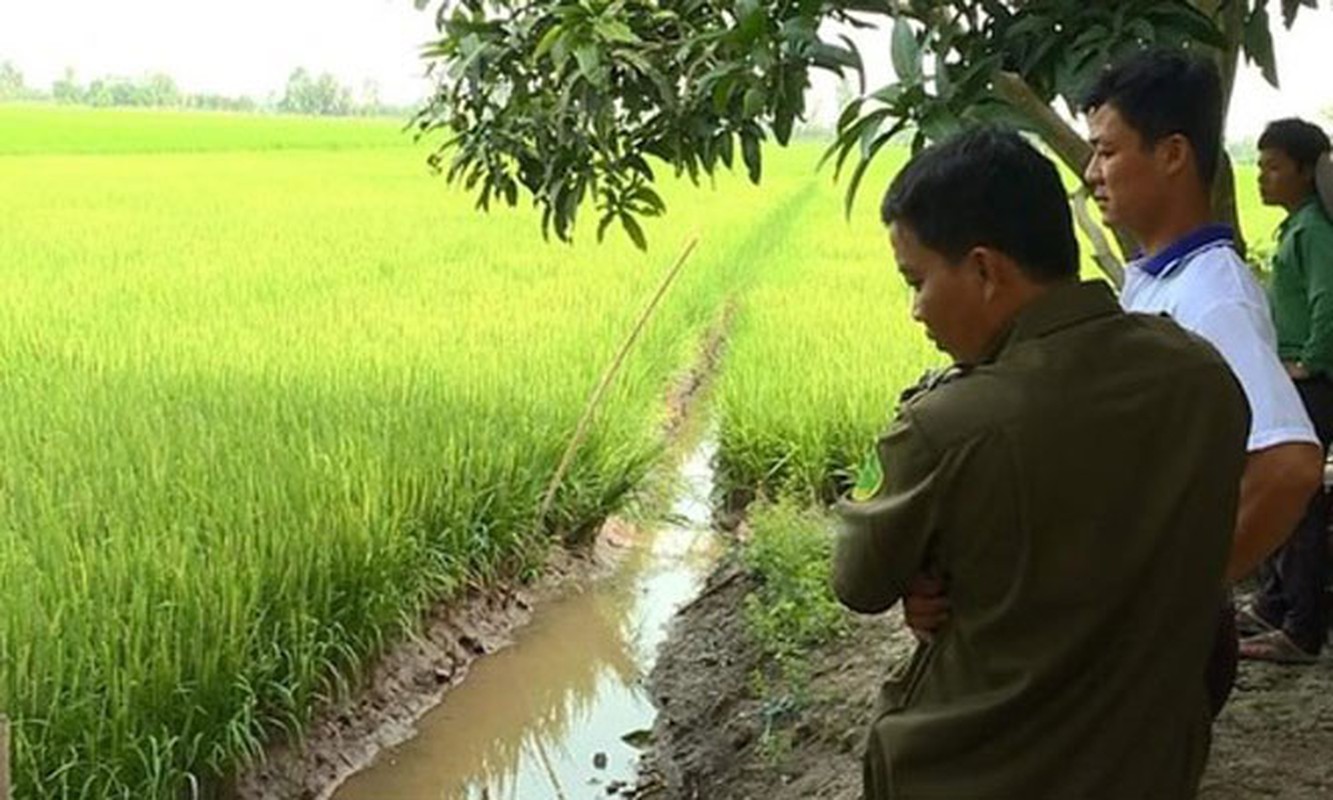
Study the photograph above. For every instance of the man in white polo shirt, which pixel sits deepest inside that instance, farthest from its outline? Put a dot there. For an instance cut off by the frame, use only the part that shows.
(1156, 125)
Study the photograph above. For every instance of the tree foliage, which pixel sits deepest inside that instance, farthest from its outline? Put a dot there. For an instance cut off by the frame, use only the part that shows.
(12, 86)
(309, 94)
(573, 101)
(304, 93)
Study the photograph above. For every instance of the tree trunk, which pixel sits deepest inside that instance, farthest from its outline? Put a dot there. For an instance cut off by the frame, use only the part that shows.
(1075, 152)
(1225, 208)
(1230, 18)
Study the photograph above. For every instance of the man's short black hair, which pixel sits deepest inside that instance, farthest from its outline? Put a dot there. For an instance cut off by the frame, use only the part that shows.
(1162, 92)
(987, 187)
(1303, 142)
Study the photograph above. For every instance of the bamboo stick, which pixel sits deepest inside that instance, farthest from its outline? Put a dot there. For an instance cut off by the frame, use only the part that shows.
(4, 757)
(609, 375)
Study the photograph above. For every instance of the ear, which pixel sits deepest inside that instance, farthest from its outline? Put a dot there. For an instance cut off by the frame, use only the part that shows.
(1174, 153)
(992, 270)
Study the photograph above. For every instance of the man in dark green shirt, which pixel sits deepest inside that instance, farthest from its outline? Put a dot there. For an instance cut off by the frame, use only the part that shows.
(1073, 482)
(1287, 620)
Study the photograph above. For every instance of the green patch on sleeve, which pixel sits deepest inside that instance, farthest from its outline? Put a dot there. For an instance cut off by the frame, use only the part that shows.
(869, 478)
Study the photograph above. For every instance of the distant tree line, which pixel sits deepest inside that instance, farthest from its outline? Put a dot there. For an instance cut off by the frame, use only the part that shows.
(305, 93)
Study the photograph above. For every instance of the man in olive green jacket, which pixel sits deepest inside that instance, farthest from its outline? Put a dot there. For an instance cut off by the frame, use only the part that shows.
(1074, 483)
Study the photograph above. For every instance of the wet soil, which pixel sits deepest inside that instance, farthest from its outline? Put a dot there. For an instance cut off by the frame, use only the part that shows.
(1274, 739)
(413, 677)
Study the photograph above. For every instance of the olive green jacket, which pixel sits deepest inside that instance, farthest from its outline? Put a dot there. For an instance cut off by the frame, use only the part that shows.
(1078, 494)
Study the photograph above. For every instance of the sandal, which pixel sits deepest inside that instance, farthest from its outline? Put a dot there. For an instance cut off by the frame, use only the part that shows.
(1275, 646)
(1250, 623)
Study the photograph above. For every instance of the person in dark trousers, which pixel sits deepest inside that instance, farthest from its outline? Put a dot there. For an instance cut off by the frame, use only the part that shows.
(1156, 128)
(1286, 621)
(1074, 482)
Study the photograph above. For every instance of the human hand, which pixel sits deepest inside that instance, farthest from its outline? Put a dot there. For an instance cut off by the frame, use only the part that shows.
(925, 606)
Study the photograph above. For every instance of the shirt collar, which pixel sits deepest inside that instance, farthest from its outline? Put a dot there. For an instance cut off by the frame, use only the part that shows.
(1179, 251)
(1299, 212)
(1060, 307)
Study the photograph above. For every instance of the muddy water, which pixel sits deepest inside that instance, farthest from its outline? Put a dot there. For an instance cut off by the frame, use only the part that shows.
(544, 719)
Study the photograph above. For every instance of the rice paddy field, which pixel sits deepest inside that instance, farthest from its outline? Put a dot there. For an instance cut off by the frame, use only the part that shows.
(269, 389)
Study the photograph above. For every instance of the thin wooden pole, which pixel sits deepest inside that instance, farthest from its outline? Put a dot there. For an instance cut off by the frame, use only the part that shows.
(581, 431)
(4, 757)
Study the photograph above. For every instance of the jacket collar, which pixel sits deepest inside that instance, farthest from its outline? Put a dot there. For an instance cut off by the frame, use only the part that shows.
(1058, 308)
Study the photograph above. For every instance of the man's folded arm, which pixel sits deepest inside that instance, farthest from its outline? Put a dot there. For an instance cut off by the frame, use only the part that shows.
(885, 535)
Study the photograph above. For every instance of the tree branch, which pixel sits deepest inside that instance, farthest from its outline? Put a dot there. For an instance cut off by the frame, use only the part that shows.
(1062, 138)
(1102, 254)
(1075, 152)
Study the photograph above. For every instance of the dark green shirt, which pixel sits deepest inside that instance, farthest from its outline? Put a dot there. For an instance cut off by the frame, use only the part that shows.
(1078, 493)
(1301, 293)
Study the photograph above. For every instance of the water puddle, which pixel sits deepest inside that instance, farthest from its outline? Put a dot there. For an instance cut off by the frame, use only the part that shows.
(548, 717)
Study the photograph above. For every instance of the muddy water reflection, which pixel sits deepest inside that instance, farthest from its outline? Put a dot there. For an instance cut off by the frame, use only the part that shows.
(533, 721)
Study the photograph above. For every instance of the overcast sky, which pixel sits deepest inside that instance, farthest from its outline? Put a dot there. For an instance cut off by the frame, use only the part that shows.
(251, 46)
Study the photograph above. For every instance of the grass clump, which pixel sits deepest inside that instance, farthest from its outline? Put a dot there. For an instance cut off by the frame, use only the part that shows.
(792, 612)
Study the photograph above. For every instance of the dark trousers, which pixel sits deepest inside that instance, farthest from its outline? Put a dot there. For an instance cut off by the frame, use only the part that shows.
(1291, 594)
(1220, 675)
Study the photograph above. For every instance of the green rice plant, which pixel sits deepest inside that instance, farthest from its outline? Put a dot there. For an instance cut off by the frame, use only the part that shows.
(260, 408)
(824, 343)
(820, 348)
(39, 128)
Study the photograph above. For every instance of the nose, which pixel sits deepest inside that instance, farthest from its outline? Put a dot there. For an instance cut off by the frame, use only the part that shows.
(916, 307)
(1092, 173)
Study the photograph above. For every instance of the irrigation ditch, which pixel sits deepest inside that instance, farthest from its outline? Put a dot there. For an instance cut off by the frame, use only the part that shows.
(553, 668)
(627, 671)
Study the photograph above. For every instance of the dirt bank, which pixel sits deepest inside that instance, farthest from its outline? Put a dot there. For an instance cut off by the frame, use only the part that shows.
(413, 677)
(1273, 740)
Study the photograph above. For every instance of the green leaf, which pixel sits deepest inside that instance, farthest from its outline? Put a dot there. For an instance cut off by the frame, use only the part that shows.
(783, 122)
(548, 41)
(906, 52)
(1258, 41)
(590, 59)
(1184, 20)
(724, 148)
(868, 155)
(605, 222)
(859, 63)
(650, 200)
(1029, 24)
(854, 134)
(613, 30)
(635, 232)
(750, 152)
(754, 101)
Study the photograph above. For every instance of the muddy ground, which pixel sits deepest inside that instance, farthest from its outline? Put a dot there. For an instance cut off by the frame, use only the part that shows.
(414, 675)
(1274, 740)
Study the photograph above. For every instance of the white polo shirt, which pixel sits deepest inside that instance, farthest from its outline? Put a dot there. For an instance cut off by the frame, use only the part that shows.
(1202, 284)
